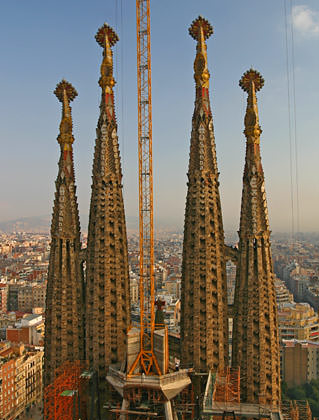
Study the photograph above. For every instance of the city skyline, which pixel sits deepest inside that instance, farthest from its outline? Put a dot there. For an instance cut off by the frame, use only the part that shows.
(31, 44)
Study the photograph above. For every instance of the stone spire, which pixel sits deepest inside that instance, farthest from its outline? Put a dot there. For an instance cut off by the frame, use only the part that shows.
(108, 293)
(204, 331)
(255, 336)
(64, 322)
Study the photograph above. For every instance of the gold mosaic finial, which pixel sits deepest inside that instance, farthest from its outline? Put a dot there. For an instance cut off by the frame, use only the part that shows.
(251, 77)
(65, 93)
(106, 38)
(251, 82)
(201, 30)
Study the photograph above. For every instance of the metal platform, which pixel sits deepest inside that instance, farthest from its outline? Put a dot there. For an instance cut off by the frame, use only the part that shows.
(242, 410)
(170, 385)
(235, 408)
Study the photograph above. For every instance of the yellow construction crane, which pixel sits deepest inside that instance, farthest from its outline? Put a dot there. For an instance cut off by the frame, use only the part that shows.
(146, 357)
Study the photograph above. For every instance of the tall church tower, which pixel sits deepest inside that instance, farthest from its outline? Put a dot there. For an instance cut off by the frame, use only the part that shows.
(64, 322)
(255, 335)
(204, 330)
(108, 292)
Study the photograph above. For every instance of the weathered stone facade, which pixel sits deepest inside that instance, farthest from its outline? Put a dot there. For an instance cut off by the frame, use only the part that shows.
(255, 334)
(108, 291)
(64, 322)
(204, 330)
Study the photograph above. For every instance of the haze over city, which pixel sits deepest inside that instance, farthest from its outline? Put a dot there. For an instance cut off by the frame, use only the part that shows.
(44, 42)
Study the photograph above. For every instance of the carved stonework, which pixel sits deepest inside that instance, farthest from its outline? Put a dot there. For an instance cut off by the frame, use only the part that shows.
(255, 336)
(64, 322)
(108, 293)
(204, 331)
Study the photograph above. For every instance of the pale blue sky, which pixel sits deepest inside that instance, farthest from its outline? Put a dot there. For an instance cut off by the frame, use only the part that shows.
(42, 42)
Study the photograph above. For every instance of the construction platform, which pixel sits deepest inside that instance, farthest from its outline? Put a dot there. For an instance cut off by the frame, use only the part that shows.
(169, 385)
(222, 398)
(241, 409)
(153, 390)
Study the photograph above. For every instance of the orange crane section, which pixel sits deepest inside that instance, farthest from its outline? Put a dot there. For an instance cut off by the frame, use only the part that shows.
(146, 357)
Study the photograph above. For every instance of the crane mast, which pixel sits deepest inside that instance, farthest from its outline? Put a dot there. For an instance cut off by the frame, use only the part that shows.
(146, 357)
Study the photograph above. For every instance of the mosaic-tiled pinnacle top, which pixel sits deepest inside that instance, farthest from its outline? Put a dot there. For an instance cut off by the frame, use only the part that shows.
(106, 37)
(104, 32)
(200, 25)
(251, 76)
(201, 30)
(65, 93)
(251, 82)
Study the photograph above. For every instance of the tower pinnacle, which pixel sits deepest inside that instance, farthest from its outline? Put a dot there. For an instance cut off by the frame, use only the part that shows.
(108, 294)
(106, 38)
(65, 93)
(204, 332)
(255, 334)
(252, 82)
(64, 316)
(201, 30)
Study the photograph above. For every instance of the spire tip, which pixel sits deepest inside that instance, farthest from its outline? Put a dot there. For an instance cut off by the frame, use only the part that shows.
(71, 93)
(249, 76)
(194, 29)
(106, 31)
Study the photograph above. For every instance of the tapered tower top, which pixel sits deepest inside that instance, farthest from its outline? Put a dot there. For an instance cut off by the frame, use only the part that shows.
(65, 93)
(251, 82)
(251, 78)
(201, 30)
(104, 33)
(106, 37)
(200, 25)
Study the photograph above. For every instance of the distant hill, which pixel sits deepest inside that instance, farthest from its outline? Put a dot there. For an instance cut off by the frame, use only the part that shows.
(37, 224)
(41, 224)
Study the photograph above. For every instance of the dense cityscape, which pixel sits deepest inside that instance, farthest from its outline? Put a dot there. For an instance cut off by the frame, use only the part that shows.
(24, 263)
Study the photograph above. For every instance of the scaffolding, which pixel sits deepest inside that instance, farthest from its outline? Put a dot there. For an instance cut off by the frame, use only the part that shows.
(222, 399)
(66, 397)
(185, 405)
(304, 410)
(296, 410)
(227, 386)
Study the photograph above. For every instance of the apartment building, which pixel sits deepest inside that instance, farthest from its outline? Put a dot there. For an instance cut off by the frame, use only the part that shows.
(300, 361)
(298, 321)
(20, 379)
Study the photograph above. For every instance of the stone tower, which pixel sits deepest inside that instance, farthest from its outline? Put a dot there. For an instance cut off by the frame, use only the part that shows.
(108, 292)
(64, 322)
(204, 323)
(255, 336)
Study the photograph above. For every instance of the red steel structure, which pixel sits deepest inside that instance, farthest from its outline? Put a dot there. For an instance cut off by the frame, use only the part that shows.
(227, 385)
(146, 357)
(65, 397)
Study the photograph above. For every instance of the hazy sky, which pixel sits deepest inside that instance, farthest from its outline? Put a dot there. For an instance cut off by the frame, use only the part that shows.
(42, 42)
